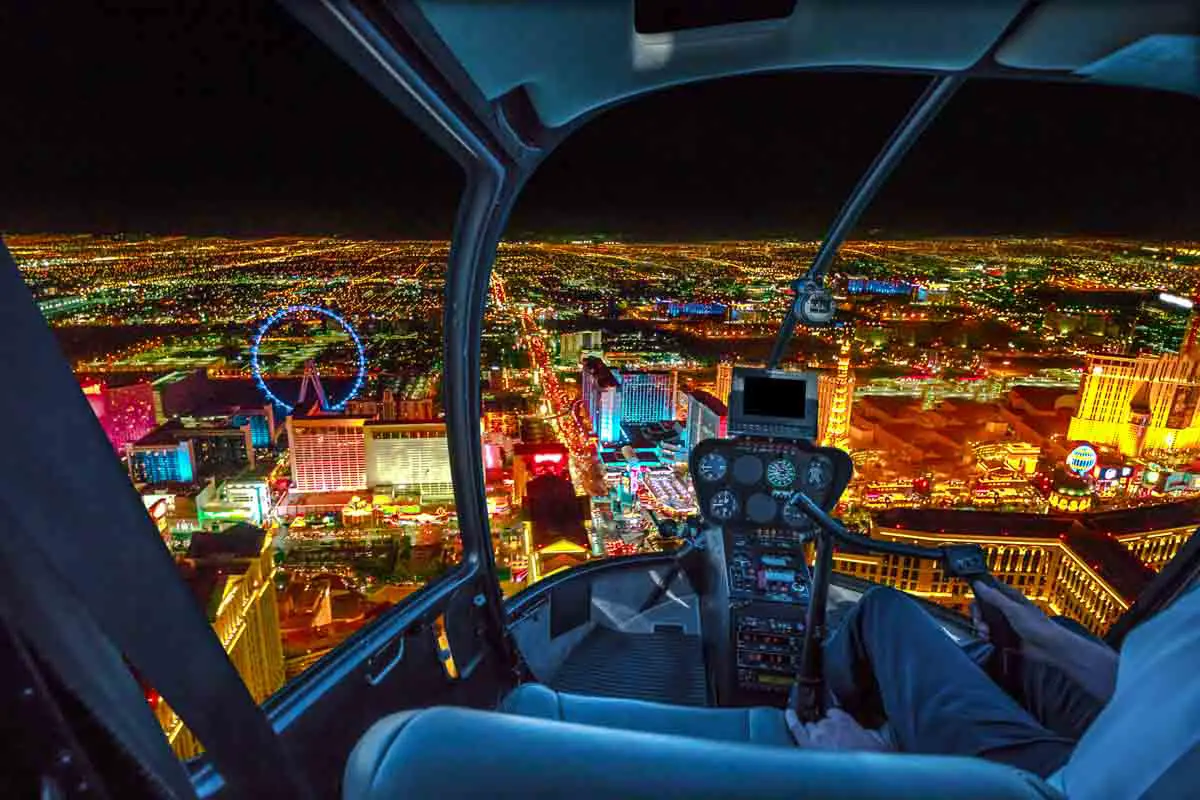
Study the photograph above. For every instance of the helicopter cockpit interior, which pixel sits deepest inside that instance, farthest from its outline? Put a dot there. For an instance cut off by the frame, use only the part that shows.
(648, 675)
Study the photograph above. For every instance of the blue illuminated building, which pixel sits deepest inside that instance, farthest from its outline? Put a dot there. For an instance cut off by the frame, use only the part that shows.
(695, 309)
(647, 397)
(878, 286)
(175, 452)
(158, 464)
(615, 399)
(260, 428)
(602, 398)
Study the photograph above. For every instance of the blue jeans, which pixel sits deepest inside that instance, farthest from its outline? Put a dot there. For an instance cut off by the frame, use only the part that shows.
(890, 661)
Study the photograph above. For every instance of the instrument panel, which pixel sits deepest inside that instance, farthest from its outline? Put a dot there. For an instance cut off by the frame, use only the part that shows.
(749, 482)
(775, 574)
(767, 652)
(749, 488)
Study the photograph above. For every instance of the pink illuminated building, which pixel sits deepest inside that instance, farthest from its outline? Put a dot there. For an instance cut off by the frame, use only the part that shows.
(125, 412)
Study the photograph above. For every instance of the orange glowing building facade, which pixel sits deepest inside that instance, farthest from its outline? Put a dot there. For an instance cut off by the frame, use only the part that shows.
(1147, 403)
(1089, 567)
(835, 397)
(724, 380)
(232, 574)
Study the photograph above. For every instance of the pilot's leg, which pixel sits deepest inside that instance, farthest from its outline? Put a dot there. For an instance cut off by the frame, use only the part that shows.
(890, 660)
(1055, 699)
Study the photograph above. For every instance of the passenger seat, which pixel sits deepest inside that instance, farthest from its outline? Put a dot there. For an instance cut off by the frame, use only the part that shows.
(465, 753)
(751, 725)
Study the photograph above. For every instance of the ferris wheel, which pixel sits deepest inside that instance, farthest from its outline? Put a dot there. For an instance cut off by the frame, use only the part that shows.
(310, 372)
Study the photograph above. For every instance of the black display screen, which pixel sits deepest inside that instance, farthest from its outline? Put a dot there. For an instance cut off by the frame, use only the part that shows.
(773, 397)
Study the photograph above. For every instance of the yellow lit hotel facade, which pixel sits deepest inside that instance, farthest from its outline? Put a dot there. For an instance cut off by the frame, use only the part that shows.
(835, 397)
(1088, 567)
(234, 578)
(1143, 404)
(724, 380)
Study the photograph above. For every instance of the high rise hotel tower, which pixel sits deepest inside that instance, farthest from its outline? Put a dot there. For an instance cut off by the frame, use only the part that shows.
(1143, 402)
(724, 380)
(835, 397)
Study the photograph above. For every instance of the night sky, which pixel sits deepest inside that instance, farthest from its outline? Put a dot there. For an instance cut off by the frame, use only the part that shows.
(231, 118)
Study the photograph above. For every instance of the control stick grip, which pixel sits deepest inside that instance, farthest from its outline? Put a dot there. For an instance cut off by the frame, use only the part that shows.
(969, 562)
(1000, 631)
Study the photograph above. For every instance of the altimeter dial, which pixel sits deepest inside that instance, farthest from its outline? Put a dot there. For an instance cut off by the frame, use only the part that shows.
(781, 473)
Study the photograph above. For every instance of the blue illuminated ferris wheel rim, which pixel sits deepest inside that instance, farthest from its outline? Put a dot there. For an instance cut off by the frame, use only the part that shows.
(272, 320)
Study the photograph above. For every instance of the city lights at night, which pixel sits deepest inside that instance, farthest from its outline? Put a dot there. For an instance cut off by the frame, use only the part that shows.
(420, 399)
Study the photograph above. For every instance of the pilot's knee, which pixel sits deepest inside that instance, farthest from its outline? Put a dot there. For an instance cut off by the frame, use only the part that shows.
(884, 600)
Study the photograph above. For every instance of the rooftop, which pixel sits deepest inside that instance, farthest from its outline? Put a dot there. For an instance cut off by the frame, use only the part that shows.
(238, 541)
(1113, 562)
(708, 401)
(330, 418)
(407, 424)
(171, 433)
(1147, 518)
(1092, 537)
(211, 562)
(177, 488)
(985, 523)
(604, 375)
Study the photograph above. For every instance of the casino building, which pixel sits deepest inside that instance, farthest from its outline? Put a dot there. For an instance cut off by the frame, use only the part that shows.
(1089, 567)
(602, 398)
(724, 380)
(409, 457)
(1143, 403)
(328, 453)
(231, 575)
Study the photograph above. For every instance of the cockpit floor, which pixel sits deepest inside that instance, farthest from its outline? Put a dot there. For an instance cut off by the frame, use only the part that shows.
(665, 666)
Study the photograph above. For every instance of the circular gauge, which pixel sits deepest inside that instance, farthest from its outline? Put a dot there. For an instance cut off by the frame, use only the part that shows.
(748, 469)
(723, 506)
(780, 473)
(794, 514)
(818, 474)
(761, 508)
(712, 466)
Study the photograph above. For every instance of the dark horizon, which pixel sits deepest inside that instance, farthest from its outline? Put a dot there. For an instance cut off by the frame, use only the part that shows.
(235, 121)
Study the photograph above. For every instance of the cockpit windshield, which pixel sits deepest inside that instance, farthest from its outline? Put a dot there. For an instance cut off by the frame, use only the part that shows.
(257, 319)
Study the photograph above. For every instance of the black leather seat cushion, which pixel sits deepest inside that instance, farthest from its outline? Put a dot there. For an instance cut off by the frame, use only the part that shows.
(753, 725)
(459, 752)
